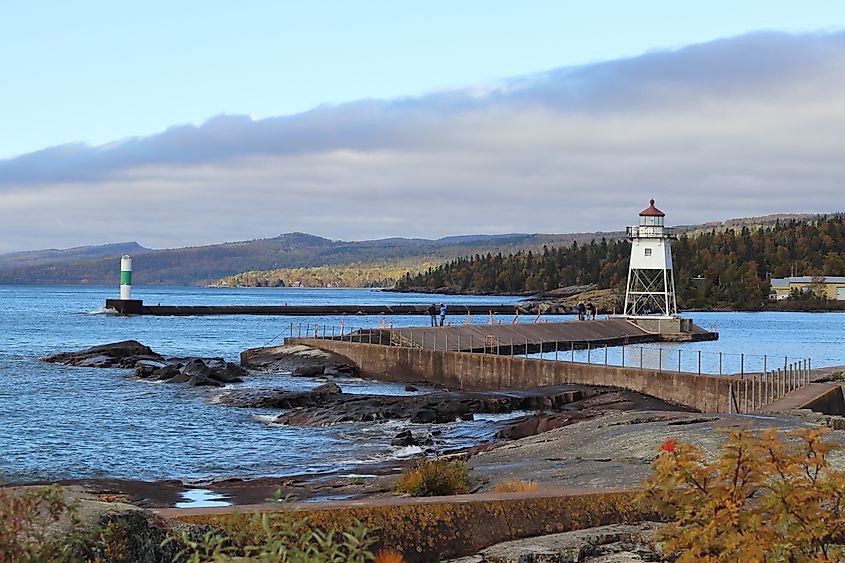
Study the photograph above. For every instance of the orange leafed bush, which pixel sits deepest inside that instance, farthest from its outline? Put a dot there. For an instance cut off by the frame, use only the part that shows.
(762, 499)
(389, 556)
(516, 486)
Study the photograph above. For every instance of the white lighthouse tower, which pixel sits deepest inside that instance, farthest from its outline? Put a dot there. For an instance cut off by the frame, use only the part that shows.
(651, 283)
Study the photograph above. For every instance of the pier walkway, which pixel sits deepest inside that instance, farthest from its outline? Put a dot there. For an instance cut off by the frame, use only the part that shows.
(526, 338)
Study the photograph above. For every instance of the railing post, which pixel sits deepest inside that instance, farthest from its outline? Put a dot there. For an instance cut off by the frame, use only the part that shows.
(730, 397)
(556, 347)
(745, 397)
(742, 364)
(572, 351)
(526, 347)
(699, 362)
(679, 361)
(720, 363)
(765, 388)
(660, 359)
(605, 354)
(588, 353)
(623, 356)
(641, 357)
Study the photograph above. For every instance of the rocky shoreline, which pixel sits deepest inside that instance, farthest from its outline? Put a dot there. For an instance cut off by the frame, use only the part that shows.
(327, 404)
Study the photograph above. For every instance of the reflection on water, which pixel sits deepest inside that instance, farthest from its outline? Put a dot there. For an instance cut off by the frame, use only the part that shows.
(200, 498)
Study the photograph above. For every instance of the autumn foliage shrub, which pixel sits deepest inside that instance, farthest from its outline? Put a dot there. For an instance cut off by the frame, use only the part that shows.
(761, 499)
(432, 477)
(26, 517)
(516, 486)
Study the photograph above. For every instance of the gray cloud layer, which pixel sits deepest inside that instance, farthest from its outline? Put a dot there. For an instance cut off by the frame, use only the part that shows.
(735, 127)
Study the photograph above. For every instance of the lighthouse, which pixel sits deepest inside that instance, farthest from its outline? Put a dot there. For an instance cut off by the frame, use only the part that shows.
(651, 282)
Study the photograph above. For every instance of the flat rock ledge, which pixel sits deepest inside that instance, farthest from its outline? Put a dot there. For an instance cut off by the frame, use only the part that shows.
(615, 543)
(130, 354)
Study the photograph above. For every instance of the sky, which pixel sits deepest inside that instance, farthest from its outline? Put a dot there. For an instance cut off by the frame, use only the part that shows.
(183, 123)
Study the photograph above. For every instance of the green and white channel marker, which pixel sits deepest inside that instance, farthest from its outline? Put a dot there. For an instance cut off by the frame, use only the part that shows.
(126, 277)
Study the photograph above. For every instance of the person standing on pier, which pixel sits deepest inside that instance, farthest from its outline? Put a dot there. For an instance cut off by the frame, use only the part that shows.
(591, 311)
(432, 312)
(581, 310)
(442, 313)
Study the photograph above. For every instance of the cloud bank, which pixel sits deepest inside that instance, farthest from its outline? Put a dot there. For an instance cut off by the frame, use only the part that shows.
(735, 127)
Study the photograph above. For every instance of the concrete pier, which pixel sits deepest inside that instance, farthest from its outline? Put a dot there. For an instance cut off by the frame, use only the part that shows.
(485, 372)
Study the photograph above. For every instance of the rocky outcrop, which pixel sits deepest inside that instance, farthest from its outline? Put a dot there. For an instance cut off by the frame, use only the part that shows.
(326, 405)
(298, 360)
(116, 355)
(200, 372)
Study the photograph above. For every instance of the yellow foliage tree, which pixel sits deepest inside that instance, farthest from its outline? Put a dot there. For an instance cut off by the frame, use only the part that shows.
(762, 499)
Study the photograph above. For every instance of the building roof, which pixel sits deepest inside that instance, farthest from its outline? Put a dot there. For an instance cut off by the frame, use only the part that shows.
(652, 211)
(783, 283)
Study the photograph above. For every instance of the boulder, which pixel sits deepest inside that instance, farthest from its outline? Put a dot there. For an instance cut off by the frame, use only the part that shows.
(196, 367)
(179, 378)
(327, 388)
(308, 371)
(167, 372)
(403, 439)
(229, 373)
(203, 381)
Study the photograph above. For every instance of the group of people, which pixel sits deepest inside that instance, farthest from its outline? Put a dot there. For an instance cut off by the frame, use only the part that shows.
(586, 312)
(433, 309)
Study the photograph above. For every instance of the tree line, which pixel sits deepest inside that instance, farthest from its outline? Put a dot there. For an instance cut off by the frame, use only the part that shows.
(714, 268)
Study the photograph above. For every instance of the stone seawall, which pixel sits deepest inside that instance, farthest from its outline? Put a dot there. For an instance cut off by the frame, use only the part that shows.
(434, 528)
(471, 371)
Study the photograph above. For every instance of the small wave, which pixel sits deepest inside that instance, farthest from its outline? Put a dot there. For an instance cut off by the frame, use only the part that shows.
(407, 451)
(265, 418)
(103, 311)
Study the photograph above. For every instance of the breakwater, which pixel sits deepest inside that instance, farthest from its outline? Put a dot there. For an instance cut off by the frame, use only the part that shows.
(137, 307)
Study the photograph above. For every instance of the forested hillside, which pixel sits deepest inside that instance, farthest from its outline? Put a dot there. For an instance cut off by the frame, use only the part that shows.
(201, 265)
(728, 267)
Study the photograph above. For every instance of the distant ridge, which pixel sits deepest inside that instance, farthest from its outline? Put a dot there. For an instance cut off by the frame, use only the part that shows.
(201, 265)
(60, 256)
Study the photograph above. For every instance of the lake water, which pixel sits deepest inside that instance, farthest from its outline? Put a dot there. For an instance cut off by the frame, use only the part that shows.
(68, 422)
